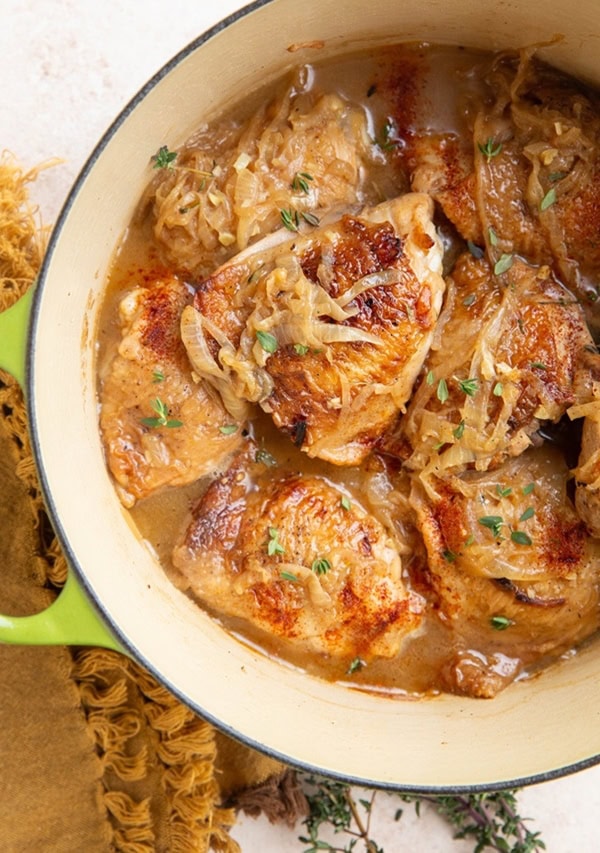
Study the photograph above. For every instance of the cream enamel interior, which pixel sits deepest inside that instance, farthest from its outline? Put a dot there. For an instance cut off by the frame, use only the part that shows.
(539, 727)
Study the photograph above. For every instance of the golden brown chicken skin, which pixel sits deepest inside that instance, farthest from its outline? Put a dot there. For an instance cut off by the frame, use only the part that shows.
(530, 182)
(159, 427)
(326, 331)
(511, 356)
(286, 553)
(514, 569)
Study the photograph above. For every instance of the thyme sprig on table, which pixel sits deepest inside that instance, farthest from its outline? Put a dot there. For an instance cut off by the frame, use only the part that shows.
(331, 804)
(490, 820)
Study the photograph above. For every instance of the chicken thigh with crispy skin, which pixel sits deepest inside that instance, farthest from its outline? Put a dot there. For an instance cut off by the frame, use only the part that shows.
(159, 427)
(530, 182)
(511, 356)
(328, 330)
(514, 568)
(286, 553)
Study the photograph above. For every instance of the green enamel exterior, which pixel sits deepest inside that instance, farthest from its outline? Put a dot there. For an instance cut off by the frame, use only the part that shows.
(70, 620)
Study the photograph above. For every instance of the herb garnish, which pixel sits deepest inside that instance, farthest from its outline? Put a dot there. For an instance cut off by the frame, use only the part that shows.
(158, 376)
(527, 490)
(355, 666)
(164, 159)
(493, 237)
(490, 820)
(228, 429)
(384, 139)
(274, 546)
(468, 386)
(321, 566)
(520, 538)
(430, 377)
(469, 300)
(529, 513)
(548, 199)
(442, 391)
(300, 182)
(162, 416)
(310, 219)
(288, 576)
(290, 218)
(498, 389)
(489, 149)
(301, 349)
(539, 364)
(503, 492)
(493, 523)
(500, 623)
(345, 503)
(503, 264)
(475, 250)
(449, 556)
(267, 341)
(458, 431)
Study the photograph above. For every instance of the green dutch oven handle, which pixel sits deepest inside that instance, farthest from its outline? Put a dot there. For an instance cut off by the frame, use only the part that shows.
(71, 619)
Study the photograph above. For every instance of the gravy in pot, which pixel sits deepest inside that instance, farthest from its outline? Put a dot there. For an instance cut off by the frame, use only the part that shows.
(334, 344)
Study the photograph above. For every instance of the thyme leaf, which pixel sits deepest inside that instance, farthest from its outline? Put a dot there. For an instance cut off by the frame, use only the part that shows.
(321, 566)
(288, 576)
(493, 523)
(162, 416)
(520, 537)
(501, 623)
(459, 431)
(164, 159)
(355, 666)
(274, 546)
(468, 386)
(548, 199)
(384, 139)
(267, 341)
(489, 148)
(290, 218)
(503, 264)
(442, 391)
(300, 182)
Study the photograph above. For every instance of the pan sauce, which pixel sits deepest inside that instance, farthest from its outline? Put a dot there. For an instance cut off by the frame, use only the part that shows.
(479, 629)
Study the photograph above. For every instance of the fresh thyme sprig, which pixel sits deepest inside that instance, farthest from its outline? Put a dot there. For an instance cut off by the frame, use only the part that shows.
(490, 820)
(331, 804)
(162, 416)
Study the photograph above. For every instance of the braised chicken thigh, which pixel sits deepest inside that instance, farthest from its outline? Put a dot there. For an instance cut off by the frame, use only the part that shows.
(159, 427)
(511, 356)
(326, 331)
(513, 567)
(285, 552)
(528, 180)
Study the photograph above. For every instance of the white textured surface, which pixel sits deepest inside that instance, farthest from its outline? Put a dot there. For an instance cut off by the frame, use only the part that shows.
(68, 67)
